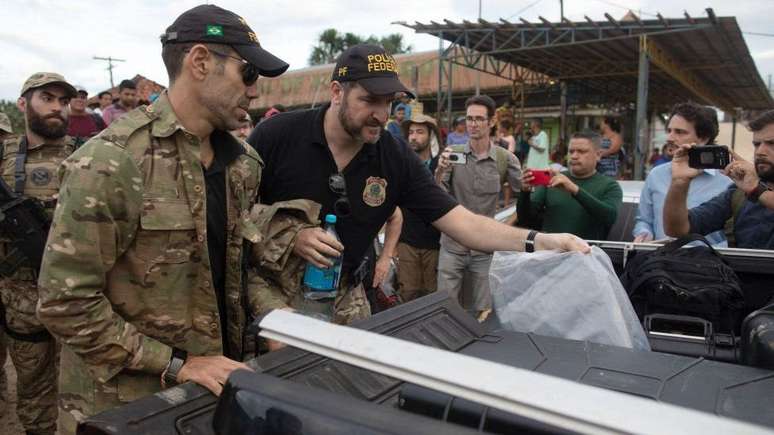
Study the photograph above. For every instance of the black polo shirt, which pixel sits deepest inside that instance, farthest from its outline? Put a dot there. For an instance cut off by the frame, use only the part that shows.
(226, 149)
(380, 177)
(415, 231)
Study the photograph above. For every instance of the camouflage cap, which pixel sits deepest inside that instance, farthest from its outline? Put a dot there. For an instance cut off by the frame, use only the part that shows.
(40, 79)
(5, 123)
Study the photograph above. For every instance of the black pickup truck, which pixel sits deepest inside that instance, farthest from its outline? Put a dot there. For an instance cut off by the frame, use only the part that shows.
(696, 371)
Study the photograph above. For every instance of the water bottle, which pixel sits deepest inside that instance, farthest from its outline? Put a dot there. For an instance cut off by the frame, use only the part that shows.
(323, 283)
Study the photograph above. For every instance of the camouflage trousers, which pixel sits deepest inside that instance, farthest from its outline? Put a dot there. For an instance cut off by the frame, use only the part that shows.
(3, 377)
(37, 369)
(35, 357)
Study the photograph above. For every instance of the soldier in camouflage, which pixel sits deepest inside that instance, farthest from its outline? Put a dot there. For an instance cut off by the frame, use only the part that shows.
(29, 167)
(142, 276)
(6, 130)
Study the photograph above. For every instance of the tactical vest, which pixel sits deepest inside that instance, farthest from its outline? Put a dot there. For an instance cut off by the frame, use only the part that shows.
(33, 171)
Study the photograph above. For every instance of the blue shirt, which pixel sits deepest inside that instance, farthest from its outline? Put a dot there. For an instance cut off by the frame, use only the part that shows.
(650, 213)
(753, 226)
(455, 138)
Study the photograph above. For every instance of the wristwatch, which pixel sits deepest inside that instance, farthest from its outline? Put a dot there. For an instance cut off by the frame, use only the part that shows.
(529, 244)
(755, 195)
(169, 376)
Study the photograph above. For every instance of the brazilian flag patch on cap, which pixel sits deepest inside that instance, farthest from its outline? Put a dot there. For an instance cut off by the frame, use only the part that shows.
(213, 30)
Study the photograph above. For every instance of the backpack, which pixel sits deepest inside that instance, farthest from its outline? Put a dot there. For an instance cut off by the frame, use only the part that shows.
(501, 159)
(694, 281)
(737, 202)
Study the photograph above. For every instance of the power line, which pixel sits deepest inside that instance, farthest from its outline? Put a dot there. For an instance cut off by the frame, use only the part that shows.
(771, 35)
(627, 8)
(522, 10)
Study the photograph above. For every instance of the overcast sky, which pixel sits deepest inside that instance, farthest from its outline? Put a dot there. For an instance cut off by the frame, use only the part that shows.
(63, 36)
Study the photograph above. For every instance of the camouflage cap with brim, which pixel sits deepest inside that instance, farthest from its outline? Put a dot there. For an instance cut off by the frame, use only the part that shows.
(5, 123)
(41, 79)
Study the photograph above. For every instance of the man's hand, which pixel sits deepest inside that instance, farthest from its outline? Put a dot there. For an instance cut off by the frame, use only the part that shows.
(317, 247)
(561, 181)
(561, 242)
(210, 372)
(680, 169)
(526, 180)
(643, 238)
(443, 162)
(743, 174)
(381, 269)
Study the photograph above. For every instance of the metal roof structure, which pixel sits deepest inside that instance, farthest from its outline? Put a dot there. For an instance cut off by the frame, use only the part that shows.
(653, 63)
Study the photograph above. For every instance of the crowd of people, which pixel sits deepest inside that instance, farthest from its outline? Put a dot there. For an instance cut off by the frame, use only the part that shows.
(176, 223)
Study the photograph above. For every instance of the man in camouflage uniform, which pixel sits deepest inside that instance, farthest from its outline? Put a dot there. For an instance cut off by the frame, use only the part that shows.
(29, 167)
(6, 130)
(142, 276)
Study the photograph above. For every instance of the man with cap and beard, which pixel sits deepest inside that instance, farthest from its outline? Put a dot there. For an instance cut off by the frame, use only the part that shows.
(29, 167)
(142, 277)
(337, 156)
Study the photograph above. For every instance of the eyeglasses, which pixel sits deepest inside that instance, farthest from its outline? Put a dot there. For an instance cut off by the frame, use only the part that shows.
(338, 185)
(476, 119)
(250, 72)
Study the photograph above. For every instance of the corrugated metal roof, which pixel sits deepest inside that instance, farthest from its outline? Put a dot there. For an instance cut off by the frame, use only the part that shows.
(602, 57)
(308, 86)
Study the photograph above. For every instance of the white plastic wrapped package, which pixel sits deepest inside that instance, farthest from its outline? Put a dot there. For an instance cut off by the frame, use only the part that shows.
(569, 295)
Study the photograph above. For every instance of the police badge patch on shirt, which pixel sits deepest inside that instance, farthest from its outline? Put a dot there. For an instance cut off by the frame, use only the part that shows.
(375, 191)
(41, 176)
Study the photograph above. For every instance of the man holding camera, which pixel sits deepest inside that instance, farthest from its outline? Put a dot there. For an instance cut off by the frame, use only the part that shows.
(580, 201)
(474, 177)
(689, 123)
(746, 208)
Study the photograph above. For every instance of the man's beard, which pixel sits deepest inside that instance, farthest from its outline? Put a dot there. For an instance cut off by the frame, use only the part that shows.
(353, 130)
(417, 147)
(766, 174)
(39, 125)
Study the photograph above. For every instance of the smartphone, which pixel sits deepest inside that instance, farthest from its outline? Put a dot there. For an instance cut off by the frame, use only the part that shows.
(458, 158)
(709, 157)
(542, 177)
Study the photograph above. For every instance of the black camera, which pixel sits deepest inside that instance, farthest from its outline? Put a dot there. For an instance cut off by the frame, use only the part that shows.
(709, 157)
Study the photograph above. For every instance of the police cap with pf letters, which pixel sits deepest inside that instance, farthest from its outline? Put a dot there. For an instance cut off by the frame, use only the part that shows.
(371, 67)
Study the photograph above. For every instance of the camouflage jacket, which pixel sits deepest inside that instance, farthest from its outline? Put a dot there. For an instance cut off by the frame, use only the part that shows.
(275, 278)
(126, 273)
(41, 181)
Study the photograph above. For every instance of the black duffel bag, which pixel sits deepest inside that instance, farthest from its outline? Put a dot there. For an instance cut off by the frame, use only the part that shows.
(694, 281)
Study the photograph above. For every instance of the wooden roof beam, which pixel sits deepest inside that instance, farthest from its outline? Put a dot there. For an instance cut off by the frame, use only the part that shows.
(527, 23)
(711, 14)
(612, 20)
(592, 22)
(663, 20)
(547, 23)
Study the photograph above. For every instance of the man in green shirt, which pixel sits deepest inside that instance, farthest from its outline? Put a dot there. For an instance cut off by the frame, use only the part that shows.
(579, 201)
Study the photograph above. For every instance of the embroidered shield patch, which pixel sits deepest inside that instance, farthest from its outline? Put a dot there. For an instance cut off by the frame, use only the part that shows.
(41, 176)
(375, 191)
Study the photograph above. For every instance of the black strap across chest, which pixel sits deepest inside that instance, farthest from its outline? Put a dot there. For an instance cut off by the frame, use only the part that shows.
(20, 175)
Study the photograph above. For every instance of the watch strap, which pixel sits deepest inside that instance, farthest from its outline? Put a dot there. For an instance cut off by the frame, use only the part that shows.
(176, 362)
(755, 195)
(529, 243)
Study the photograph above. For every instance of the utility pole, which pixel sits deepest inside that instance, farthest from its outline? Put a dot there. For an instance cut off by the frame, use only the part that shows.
(478, 73)
(561, 10)
(110, 67)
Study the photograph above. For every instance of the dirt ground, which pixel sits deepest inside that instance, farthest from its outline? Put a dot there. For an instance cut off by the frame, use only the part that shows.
(9, 423)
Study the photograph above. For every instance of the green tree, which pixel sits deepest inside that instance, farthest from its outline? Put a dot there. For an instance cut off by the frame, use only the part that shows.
(14, 114)
(331, 43)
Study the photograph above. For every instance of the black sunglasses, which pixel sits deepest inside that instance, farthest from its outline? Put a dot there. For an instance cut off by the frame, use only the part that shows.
(250, 72)
(338, 185)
